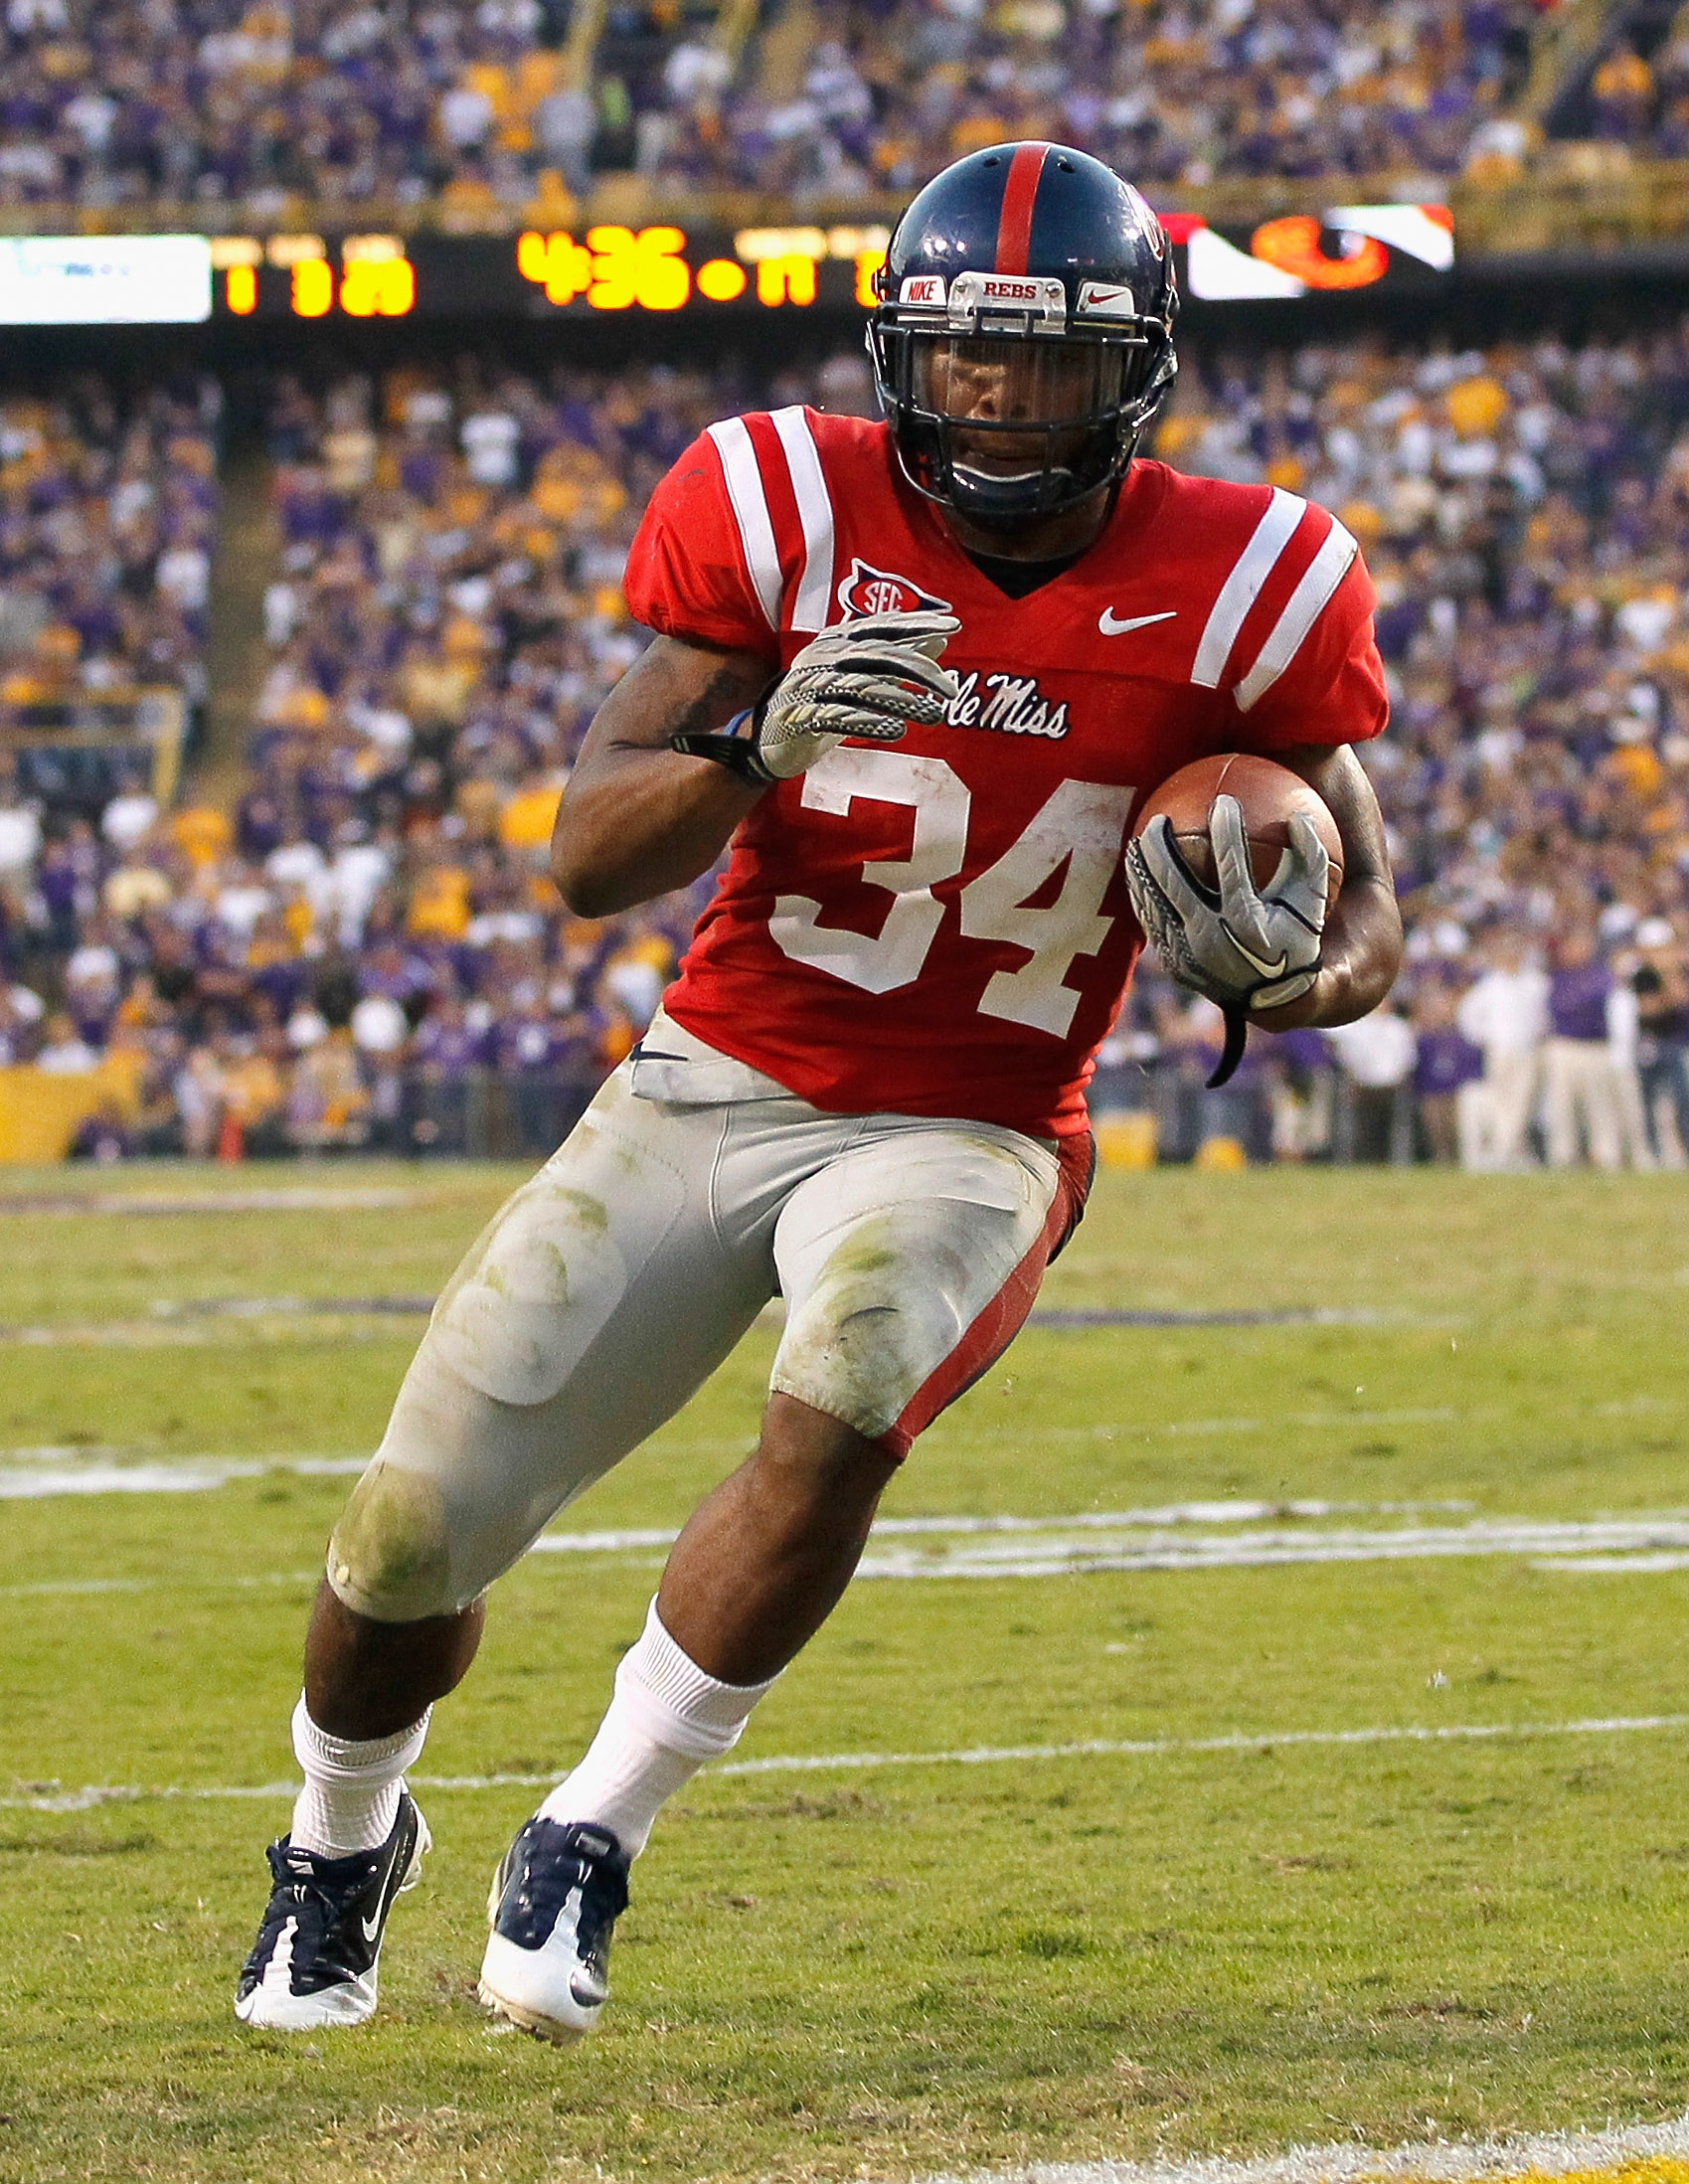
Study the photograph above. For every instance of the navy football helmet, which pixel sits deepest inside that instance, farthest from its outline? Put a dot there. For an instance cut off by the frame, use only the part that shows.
(1024, 335)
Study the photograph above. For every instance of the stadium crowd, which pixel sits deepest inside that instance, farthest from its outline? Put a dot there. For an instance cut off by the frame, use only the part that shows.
(107, 508)
(261, 102)
(365, 950)
(1166, 93)
(1642, 100)
(260, 107)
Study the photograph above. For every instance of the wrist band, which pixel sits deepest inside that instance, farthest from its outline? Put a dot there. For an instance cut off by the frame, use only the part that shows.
(729, 748)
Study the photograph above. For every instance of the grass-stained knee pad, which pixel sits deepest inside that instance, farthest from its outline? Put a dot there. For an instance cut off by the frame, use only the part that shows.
(391, 1555)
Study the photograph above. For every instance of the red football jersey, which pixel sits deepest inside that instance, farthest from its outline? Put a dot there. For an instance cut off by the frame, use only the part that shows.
(941, 925)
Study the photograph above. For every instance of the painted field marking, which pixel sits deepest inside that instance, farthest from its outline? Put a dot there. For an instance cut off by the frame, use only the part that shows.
(188, 1476)
(282, 1307)
(1619, 1565)
(75, 1587)
(1182, 1512)
(1177, 1537)
(326, 1330)
(1173, 1539)
(207, 1320)
(1641, 2153)
(334, 1200)
(1542, 1542)
(31, 1473)
(50, 1797)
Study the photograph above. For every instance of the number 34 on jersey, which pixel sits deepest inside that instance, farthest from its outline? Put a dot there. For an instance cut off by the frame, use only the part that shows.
(1079, 832)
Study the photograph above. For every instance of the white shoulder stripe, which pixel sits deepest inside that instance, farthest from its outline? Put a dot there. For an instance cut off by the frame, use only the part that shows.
(750, 512)
(815, 512)
(1320, 578)
(1284, 511)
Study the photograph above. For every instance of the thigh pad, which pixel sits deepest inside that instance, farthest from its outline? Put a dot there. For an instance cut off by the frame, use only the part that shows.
(901, 1263)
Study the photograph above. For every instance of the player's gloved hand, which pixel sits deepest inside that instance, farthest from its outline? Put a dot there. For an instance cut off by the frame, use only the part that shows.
(869, 677)
(1248, 948)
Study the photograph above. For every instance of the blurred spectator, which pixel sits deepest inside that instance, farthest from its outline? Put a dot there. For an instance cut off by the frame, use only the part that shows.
(255, 1090)
(1660, 982)
(1447, 1080)
(21, 1012)
(1506, 1016)
(1375, 1113)
(63, 1052)
(1582, 1107)
(103, 1136)
(328, 1101)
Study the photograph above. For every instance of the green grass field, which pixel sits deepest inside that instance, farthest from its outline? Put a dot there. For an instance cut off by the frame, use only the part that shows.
(882, 1972)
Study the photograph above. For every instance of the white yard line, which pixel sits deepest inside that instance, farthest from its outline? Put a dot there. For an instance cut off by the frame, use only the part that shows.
(1090, 1520)
(45, 1467)
(333, 1199)
(1178, 1537)
(32, 1473)
(331, 1326)
(199, 1321)
(1440, 2161)
(51, 1798)
(1172, 1538)
(1605, 1544)
(195, 1476)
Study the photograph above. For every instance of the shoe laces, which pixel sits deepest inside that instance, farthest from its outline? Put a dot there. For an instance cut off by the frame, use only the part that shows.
(304, 1876)
(554, 1861)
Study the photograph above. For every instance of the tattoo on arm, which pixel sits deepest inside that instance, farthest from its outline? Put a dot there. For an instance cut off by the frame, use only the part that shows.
(728, 691)
(704, 712)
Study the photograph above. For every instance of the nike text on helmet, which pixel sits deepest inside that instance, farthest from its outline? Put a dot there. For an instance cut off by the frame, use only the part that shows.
(1024, 335)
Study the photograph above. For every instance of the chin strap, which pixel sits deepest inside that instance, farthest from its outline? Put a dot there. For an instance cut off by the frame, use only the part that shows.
(1237, 1036)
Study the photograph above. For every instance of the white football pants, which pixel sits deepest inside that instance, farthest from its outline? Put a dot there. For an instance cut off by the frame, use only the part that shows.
(609, 1286)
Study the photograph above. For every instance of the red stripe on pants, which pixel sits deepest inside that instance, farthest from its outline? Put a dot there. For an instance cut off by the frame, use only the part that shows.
(1002, 1319)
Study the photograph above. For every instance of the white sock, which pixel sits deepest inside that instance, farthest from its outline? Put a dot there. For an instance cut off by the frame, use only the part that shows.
(666, 1719)
(351, 1795)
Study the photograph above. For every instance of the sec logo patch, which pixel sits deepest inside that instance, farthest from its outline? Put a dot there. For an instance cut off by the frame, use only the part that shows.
(868, 590)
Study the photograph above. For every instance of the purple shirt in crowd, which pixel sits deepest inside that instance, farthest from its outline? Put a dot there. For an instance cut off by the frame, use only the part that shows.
(1576, 1001)
(1445, 1062)
(448, 1048)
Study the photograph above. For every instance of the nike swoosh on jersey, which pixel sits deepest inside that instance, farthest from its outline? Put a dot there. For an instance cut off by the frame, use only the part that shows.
(1109, 628)
(1267, 971)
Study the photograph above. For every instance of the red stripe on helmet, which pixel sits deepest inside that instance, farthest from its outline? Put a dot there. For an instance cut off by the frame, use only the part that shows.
(1014, 222)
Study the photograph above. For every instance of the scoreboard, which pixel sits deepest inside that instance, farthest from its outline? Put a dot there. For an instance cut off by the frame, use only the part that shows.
(550, 274)
(544, 275)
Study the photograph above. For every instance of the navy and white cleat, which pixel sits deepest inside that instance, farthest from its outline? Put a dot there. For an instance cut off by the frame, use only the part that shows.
(555, 1895)
(314, 1962)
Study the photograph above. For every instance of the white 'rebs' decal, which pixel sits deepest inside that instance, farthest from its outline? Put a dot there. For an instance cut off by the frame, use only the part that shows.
(1013, 705)
(1106, 299)
(1025, 296)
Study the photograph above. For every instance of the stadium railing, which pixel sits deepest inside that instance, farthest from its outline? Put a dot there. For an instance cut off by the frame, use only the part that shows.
(74, 750)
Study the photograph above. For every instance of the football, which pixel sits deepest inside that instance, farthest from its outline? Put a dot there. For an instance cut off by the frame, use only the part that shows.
(1268, 794)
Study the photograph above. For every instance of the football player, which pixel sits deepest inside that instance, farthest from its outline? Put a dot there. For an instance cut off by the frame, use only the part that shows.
(918, 675)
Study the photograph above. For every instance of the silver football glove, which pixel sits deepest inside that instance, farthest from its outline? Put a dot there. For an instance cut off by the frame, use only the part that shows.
(869, 677)
(1242, 946)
